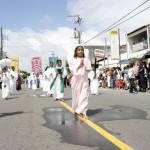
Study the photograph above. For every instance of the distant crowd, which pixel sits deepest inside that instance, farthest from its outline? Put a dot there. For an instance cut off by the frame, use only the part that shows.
(10, 81)
(133, 77)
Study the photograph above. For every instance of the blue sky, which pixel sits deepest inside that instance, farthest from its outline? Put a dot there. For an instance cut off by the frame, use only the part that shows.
(17, 14)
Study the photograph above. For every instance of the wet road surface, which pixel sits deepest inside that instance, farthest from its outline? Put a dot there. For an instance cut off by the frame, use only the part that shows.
(73, 130)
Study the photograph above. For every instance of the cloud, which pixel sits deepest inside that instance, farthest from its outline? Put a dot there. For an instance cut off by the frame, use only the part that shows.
(98, 14)
(27, 43)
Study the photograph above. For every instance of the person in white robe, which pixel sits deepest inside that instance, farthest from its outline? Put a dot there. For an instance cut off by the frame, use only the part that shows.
(45, 80)
(93, 75)
(58, 82)
(13, 80)
(50, 77)
(41, 78)
(5, 83)
(29, 82)
(34, 81)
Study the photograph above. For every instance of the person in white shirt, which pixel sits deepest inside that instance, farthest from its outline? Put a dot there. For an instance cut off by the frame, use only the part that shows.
(131, 76)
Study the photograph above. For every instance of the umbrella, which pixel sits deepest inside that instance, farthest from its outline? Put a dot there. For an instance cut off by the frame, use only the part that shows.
(5, 62)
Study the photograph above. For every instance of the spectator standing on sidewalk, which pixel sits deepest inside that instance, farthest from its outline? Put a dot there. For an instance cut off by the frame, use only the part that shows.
(142, 85)
(131, 79)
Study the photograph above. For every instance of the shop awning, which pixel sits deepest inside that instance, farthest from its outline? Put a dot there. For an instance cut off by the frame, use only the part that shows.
(138, 55)
(147, 55)
(125, 61)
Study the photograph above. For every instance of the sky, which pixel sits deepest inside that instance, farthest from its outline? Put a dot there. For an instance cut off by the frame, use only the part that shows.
(36, 27)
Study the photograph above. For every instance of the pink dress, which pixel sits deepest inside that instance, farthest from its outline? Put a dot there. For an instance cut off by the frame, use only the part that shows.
(80, 85)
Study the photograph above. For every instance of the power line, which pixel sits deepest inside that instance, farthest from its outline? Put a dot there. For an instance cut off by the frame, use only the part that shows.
(129, 18)
(108, 28)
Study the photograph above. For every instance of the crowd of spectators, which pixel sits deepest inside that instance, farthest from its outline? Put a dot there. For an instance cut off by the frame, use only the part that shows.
(133, 77)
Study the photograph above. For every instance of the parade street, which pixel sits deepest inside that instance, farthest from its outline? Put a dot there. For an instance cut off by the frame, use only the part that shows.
(29, 120)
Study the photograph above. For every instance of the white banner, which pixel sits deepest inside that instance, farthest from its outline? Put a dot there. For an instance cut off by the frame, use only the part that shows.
(114, 44)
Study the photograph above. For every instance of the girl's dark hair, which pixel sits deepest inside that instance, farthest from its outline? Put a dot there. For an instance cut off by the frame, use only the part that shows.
(75, 51)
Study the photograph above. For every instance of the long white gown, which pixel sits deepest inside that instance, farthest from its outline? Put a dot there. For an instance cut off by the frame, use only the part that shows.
(34, 81)
(5, 84)
(13, 80)
(57, 85)
(45, 81)
(50, 73)
(94, 83)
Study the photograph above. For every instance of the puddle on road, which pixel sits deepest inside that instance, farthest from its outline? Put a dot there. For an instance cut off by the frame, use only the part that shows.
(78, 133)
(74, 131)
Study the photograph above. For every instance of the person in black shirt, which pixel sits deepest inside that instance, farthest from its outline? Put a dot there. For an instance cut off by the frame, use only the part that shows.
(141, 77)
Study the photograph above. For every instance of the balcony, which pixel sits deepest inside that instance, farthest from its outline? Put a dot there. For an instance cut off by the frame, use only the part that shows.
(140, 46)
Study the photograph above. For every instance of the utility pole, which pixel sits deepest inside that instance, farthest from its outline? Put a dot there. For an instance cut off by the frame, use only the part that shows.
(77, 30)
(105, 52)
(1, 44)
(119, 47)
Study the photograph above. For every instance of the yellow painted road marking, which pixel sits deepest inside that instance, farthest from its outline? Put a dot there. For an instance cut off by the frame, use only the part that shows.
(101, 131)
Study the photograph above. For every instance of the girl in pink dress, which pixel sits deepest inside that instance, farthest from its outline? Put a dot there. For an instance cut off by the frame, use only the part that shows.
(80, 67)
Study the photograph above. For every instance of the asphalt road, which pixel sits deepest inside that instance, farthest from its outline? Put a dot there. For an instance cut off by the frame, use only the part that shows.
(29, 120)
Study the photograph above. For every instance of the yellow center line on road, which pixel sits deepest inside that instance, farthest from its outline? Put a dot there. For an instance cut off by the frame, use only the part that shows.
(100, 130)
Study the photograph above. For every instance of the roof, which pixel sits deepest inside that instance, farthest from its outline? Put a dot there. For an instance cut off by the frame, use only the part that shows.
(138, 29)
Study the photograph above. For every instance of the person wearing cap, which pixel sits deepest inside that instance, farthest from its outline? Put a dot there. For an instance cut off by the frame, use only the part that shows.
(80, 67)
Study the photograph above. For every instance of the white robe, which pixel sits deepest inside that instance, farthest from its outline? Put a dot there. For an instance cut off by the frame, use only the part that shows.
(57, 85)
(45, 81)
(13, 80)
(29, 82)
(34, 82)
(5, 84)
(41, 78)
(50, 73)
(94, 83)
